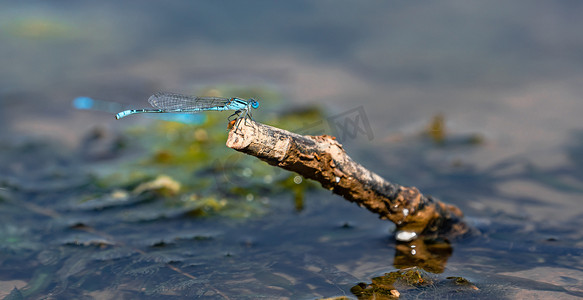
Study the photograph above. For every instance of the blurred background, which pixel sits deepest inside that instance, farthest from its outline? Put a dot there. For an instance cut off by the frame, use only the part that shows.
(477, 103)
(509, 69)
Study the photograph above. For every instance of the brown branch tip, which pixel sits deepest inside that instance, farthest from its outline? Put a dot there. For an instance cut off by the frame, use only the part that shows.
(323, 159)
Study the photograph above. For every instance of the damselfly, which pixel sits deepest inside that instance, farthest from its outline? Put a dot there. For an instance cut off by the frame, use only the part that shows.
(176, 103)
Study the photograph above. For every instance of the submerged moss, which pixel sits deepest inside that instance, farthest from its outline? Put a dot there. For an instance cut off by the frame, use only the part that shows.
(163, 185)
(386, 286)
(462, 282)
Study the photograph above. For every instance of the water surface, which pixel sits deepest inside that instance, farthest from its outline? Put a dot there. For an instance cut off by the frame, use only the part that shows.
(83, 214)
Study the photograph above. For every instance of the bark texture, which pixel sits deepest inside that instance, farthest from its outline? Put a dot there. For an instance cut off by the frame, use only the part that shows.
(323, 159)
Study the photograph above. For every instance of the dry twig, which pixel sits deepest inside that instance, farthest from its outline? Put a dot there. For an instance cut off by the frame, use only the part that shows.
(323, 159)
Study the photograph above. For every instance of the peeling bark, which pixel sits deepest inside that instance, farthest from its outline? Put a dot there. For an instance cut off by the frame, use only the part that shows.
(323, 159)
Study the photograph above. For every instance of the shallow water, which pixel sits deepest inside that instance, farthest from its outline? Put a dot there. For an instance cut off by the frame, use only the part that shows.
(86, 214)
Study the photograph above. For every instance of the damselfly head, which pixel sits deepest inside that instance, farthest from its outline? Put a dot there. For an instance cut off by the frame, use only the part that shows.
(254, 103)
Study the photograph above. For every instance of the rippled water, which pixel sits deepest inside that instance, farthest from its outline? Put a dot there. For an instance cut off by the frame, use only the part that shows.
(97, 208)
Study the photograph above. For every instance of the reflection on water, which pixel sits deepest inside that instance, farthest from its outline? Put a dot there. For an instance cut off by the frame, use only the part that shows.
(93, 209)
(429, 255)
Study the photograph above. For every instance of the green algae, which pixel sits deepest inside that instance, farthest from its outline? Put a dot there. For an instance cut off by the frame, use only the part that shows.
(387, 286)
(202, 175)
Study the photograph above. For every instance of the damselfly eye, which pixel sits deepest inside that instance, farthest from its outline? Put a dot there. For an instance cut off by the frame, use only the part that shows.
(254, 103)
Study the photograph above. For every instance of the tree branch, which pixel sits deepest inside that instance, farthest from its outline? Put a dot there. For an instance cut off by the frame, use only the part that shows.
(323, 159)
